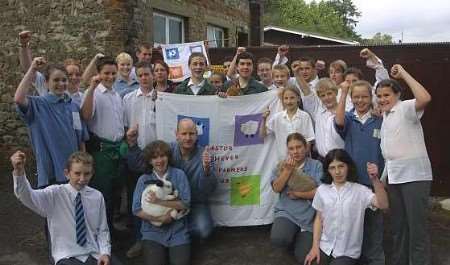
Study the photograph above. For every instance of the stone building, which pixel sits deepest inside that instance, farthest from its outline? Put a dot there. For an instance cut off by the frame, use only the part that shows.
(81, 28)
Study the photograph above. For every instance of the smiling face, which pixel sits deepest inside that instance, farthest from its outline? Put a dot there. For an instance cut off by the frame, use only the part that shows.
(336, 75)
(361, 99)
(328, 98)
(338, 171)
(197, 67)
(216, 81)
(387, 98)
(245, 68)
(160, 163)
(79, 174)
(264, 71)
(124, 68)
(108, 75)
(57, 82)
(280, 78)
(74, 74)
(297, 150)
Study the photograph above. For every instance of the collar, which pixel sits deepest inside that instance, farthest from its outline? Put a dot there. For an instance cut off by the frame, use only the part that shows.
(365, 117)
(73, 192)
(140, 93)
(103, 89)
(190, 83)
(163, 177)
(296, 115)
(119, 78)
(394, 108)
(345, 186)
(52, 98)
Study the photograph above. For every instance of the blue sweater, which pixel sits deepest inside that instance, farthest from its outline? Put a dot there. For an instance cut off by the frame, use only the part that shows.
(362, 142)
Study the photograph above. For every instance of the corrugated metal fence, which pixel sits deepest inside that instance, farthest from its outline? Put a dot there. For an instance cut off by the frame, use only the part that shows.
(428, 63)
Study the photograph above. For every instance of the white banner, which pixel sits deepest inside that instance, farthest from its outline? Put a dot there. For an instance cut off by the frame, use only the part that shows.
(177, 55)
(230, 127)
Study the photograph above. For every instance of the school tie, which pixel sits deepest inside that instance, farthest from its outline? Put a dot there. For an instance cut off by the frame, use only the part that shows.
(80, 223)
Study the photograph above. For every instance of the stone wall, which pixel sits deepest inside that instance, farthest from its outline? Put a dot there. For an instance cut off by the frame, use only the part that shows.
(81, 28)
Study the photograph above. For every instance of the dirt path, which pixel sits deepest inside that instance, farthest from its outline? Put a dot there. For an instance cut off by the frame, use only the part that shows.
(22, 241)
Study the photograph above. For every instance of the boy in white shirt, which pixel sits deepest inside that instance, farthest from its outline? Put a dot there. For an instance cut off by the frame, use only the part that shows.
(79, 235)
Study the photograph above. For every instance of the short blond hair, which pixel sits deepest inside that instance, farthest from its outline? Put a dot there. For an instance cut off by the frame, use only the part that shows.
(123, 56)
(282, 68)
(79, 157)
(324, 85)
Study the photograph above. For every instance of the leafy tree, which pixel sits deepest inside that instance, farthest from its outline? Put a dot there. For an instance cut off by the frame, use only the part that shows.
(335, 18)
(378, 38)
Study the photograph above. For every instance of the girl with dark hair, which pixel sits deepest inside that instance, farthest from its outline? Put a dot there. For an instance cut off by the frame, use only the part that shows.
(408, 168)
(170, 242)
(340, 207)
(295, 179)
(161, 76)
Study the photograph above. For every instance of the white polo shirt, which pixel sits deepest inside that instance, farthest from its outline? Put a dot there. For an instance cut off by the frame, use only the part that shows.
(107, 118)
(282, 126)
(140, 109)
(342, 217)
(327, 138)
(403, 144)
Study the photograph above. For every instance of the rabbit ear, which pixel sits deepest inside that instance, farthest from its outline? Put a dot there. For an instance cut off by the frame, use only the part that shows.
(159, 183)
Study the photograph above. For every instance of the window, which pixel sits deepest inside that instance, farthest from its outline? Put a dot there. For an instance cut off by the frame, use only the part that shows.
(167, 29)
(215, 36)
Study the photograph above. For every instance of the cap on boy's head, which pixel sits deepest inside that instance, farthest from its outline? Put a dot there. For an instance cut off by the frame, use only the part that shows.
(107, 60)
(79, 157)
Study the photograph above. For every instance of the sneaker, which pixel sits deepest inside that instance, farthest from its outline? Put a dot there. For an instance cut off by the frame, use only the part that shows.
(135, 250)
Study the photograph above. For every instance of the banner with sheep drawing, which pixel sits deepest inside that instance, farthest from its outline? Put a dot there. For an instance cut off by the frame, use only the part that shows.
(229, 127)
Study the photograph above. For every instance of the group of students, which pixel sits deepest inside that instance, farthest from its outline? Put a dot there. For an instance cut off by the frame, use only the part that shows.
(354, 131)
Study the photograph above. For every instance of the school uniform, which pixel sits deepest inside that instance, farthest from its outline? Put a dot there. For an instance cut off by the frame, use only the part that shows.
(56, 131)
(294, 218)
(362, 142)
(312, 84)
(327, 138)
(107, 130)
(140, 109)
(253, 87)
(187, 87)
(77, 97)
(281, 125)
(173, 237)
(409, 176)
(342, 212)
(57, 203)
(124, 87)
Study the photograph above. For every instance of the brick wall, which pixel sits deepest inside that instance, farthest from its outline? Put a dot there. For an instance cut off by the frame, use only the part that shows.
(82, 28)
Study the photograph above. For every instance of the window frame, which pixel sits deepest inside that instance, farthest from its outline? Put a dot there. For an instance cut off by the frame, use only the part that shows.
(216, 28)
(167, 18)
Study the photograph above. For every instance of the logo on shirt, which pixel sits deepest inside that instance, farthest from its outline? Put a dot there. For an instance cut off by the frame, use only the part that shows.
(246, 130)
(202, 125)
(172, 54)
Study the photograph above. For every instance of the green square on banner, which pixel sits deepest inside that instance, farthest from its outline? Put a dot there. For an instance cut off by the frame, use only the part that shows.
(245, 190)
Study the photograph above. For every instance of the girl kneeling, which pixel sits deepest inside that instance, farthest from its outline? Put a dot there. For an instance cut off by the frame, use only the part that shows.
(293, 212)
(340, 207)
(171, 239)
